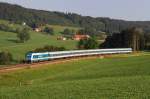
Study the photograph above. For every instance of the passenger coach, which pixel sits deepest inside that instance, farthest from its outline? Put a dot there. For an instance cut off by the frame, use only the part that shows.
(35, 57)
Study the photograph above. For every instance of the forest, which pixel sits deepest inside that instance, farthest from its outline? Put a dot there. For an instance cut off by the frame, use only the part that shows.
(33, 17)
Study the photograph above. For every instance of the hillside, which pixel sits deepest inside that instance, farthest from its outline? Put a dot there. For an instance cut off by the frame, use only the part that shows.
(117, 77)
(20, 14)
(8, 40)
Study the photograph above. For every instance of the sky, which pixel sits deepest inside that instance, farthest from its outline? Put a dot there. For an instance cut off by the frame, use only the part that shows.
(133, 10)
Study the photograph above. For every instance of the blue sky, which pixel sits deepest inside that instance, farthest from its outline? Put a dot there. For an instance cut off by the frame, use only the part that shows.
(118, 9)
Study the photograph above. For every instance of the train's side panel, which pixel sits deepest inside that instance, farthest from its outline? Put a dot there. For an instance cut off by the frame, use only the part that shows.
(54, 56)
(63, 54)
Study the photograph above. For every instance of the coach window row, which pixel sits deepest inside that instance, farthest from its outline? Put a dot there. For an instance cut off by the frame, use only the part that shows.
(71, 53)
(41, 56)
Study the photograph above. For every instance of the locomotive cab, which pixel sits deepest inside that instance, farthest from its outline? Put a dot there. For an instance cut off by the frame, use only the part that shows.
(28, 57)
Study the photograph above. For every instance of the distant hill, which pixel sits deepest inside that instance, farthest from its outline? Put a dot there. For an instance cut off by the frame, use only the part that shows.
(20, 14)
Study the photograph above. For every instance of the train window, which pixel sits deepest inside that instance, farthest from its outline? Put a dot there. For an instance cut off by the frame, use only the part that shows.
(41, 56)
(35, 56)
(28, 57)
(45, 55)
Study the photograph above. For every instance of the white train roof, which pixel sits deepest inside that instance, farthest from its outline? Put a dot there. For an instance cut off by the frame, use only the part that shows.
(72, 51)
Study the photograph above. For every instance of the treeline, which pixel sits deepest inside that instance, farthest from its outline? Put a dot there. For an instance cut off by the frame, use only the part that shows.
(34, 18)
(134, 38)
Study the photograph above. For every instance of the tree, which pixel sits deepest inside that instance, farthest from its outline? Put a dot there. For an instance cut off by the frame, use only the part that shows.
(23, 35)
(5, 58)
(49, 30)
(82, 43)
(81, 31)
(147, 41)
(132, 38)
(90, 43)
(68, 32)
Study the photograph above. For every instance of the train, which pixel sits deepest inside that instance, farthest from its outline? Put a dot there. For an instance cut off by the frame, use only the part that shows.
(45, 56)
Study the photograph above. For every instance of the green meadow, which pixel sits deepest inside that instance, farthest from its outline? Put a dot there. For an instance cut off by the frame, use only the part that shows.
(117, 77)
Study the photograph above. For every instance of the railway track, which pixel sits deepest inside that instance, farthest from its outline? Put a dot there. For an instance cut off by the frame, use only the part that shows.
(40, 64)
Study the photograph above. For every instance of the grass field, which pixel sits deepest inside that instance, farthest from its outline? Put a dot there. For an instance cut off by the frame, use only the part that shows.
(119, 77)
(8, 42)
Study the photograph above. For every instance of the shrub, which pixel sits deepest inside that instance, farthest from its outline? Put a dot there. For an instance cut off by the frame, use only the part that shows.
(49, 30)
(5, 58)
(48, 48)
(68, 32)
(90, 43)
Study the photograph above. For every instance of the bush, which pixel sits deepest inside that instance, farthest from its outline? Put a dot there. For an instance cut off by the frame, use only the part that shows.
(7, 28)
(5, 58)
(49, 30)
(68, 32)
(48, 48)
(90, 43)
